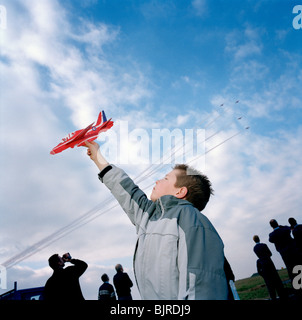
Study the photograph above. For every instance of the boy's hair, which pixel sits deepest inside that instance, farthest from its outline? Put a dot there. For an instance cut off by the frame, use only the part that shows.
(105, 277)
(198, 185)
(256, 238)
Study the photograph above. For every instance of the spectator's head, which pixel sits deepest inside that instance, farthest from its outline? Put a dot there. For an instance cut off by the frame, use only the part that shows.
(274, 224)
(292, 222)
(56, 262)
(105, 277)
(256, 239)
(119, 268)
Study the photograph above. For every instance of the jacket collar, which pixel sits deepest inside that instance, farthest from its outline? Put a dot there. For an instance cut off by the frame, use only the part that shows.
(169, 201)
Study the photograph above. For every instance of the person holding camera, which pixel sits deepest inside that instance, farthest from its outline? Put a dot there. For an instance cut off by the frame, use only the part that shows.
(64, 283)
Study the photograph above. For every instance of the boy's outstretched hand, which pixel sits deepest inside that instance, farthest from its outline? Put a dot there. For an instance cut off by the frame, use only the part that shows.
(92, 150)
(95, 155)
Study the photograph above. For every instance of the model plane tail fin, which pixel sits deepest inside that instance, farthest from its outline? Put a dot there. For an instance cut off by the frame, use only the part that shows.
(101, 119)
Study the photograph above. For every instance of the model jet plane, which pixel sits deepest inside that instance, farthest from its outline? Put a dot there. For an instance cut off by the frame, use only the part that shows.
(79, 137)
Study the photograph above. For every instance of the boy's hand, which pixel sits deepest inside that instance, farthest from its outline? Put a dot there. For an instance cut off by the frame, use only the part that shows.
(92, 150)
(95, 155)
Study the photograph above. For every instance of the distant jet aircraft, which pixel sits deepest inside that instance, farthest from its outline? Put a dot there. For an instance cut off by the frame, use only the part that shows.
(79, 137)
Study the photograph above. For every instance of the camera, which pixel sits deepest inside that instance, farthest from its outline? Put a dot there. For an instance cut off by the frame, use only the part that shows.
(66, 256)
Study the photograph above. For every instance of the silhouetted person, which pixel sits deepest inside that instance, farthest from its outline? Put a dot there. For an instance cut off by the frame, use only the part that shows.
(267, 269)
(285, 245)
(296, 232)
(106, 291)
(122, 283)
(64, 283)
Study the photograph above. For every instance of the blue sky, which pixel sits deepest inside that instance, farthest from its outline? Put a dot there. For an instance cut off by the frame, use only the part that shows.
(156, 65)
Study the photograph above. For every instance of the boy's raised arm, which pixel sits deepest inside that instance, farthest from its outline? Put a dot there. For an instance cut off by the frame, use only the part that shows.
(133, 200)
(95, 155)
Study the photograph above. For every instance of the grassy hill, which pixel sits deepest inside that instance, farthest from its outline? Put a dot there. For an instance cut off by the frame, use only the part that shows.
(254, 288)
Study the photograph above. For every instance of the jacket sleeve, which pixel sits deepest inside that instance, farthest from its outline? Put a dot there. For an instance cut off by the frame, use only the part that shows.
(271, 237)
(129, 281)
(79, 267)
(201, 264)
(131, 198)
(268, 251)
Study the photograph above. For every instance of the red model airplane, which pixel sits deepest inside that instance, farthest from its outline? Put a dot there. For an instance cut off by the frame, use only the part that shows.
(79, 137)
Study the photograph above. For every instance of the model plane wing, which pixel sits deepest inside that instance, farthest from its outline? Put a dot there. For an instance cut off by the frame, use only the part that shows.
(81, 134)
(92, 136)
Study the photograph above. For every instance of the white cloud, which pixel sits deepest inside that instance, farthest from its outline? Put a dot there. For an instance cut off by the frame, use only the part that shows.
(47, 77)
(199, 7)
(264, 86)
(182, 119)
(96, 36)
(244, 44)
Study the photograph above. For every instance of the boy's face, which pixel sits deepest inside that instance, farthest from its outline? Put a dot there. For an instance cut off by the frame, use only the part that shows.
(165, 186)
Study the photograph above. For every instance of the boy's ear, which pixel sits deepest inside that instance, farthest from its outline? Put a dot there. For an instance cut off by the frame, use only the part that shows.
(182, 192)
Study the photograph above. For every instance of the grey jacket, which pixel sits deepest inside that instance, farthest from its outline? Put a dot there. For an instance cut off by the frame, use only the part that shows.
(179, 254)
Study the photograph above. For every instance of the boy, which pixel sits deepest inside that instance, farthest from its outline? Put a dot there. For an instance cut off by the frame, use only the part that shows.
(179, 254)
(106, 291)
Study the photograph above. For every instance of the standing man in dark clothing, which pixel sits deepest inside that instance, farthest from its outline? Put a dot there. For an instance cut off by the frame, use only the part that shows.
(64, 284)
(285, 245)
(106, 291)
(267, 269)
(122, 283)
(297, 232)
